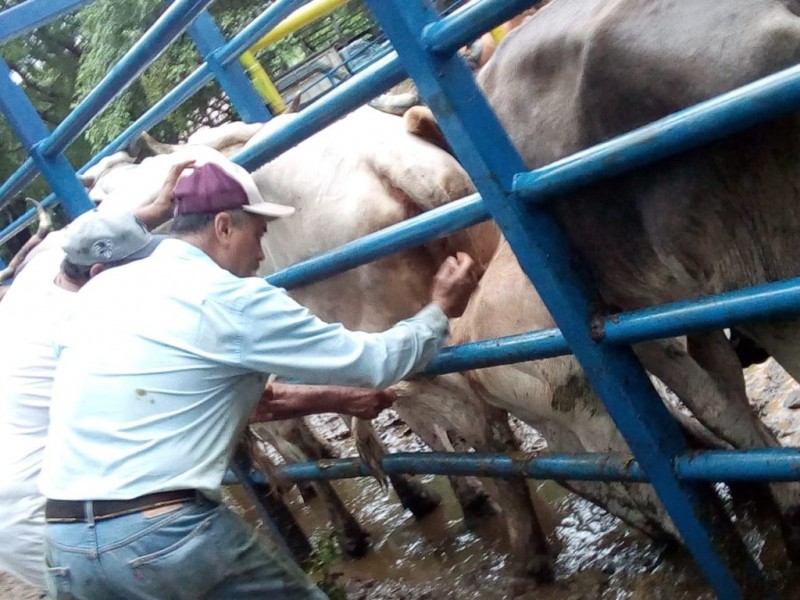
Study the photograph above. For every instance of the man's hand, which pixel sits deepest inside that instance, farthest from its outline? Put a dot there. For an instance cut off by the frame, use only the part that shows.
(286, 401)
(365, 403)
(454, 283)
(159, 211)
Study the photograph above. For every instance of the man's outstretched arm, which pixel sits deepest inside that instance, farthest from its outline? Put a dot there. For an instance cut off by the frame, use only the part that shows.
(288, 401)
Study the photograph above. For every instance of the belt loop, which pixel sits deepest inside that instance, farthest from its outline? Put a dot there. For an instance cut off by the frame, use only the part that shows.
(89, 512)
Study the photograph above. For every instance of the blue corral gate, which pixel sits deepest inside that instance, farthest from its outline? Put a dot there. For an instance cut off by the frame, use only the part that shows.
(426, 49)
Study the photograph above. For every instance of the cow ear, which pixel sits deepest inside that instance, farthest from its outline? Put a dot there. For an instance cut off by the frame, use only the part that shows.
(420, 122)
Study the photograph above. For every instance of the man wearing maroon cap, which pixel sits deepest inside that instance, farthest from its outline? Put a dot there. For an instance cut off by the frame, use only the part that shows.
(160, 369)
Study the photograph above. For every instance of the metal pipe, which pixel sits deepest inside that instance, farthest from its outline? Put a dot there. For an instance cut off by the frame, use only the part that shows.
(445, 36)
(299, 18)
(266, 21)
(22, 18)
(354, 92)
(427, 226)
(767, 301)
(766, 464)
(170, 25)
(201, 76)
(180, 94)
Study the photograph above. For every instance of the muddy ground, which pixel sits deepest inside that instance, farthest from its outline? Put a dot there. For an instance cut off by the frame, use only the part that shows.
(438, 558)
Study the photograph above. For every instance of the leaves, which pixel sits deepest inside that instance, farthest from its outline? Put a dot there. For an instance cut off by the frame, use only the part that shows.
(59, 64)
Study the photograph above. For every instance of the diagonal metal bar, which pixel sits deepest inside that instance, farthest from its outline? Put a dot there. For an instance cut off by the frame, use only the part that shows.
(543, 252)
(19, 20)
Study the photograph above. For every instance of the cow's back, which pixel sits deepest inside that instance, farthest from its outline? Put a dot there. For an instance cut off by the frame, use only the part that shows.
(361, 174)
(583, 71)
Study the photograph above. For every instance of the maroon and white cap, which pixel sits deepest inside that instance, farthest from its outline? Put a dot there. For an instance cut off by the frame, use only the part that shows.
(218, 186)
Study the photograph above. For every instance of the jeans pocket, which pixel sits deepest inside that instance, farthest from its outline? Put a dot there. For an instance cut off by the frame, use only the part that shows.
(58, 583)
(178, 560)
(177, 540)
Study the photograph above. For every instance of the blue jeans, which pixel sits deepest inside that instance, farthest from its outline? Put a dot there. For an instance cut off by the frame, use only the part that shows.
(199, 551)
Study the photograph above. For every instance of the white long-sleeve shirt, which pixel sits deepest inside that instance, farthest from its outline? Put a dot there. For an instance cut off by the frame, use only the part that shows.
(165, 359)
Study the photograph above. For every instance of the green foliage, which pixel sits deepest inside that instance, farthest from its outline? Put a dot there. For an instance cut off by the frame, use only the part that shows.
(60, 63)
(326, 553)
(46, 61)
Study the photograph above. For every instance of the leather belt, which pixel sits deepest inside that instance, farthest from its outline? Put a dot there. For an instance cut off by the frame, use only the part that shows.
(75, 510)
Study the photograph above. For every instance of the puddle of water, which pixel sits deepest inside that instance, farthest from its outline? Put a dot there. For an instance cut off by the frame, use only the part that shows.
(438, 558)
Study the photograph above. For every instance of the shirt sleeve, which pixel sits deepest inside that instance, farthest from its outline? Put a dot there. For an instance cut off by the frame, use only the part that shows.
(282, 337)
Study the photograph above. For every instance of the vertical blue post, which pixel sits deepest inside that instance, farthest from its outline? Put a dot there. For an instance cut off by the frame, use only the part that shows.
(543, 251)
(231, 77)
(28, 126)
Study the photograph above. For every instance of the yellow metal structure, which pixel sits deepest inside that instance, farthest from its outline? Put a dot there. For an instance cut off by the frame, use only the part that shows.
(299, 18)
(498, 33)
(262, 83)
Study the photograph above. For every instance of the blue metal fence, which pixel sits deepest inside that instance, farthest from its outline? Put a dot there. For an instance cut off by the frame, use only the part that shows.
(513, 196)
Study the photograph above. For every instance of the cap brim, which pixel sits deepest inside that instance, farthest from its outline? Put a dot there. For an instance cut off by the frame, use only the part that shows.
(269, 210)
(148, 248)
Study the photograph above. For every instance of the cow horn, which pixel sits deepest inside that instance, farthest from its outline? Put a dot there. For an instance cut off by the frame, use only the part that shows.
(146, 145)
(45, 227)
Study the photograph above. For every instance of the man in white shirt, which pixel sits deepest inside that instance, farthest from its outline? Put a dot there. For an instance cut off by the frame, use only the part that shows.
(41, 297)
(160, 367)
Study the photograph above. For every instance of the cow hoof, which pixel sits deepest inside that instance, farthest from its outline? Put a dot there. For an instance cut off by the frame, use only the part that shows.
(354, 543)
(421, 505)
(479, 508)
(415, 497)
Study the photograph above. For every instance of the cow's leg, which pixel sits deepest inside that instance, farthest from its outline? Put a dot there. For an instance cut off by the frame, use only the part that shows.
(530, 554)
(302, 435)
(442, 413)
(781, 339)
(352, 538)
(635, 503)
(710, 383)
(413, 494)
(476, 503)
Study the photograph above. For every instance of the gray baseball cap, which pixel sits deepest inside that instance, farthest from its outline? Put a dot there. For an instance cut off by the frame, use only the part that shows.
(107, 236)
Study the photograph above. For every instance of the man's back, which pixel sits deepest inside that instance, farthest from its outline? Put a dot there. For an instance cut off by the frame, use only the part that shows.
(144, 360)
(168, 356)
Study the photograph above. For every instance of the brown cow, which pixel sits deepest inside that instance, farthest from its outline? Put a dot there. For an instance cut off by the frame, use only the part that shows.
(717, 218)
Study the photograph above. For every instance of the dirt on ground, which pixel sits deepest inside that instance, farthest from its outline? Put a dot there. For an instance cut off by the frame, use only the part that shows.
(14, 589)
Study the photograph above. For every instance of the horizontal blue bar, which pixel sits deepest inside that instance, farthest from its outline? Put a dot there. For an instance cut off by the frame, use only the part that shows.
(777, 300)
(769, 464)
(351, 94)
(762, 100)
(470, 22)
(171, 24)
(767, 301)
(22, 18)
(430, 225)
